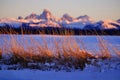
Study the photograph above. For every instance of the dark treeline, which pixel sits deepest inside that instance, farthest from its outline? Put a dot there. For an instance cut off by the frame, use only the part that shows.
(58, 31)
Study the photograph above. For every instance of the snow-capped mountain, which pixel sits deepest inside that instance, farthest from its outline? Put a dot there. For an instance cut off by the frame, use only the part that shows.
(106, 24)
(32, 16)
(78, 23)
(67, 17)
(85, 18)
(46, 19)
(47, 15)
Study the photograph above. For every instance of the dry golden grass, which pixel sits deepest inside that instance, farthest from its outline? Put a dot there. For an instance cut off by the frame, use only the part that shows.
(65, 51)
(104, 50)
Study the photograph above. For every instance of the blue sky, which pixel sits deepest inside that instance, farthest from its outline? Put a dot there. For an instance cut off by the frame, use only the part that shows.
(97, 9)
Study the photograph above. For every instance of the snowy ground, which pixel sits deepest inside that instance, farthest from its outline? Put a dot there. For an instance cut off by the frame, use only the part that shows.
(61, 75)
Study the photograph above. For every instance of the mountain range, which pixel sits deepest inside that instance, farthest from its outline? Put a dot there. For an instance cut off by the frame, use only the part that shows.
(47, 19)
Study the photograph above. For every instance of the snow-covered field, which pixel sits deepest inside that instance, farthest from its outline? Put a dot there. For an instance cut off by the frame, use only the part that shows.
(102, 69)
(61, 75)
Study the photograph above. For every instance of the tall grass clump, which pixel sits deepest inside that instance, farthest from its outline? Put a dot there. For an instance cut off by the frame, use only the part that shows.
(107, 50)
(64, 53)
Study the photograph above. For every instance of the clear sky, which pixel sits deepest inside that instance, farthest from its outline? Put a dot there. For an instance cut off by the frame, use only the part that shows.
(97, 9)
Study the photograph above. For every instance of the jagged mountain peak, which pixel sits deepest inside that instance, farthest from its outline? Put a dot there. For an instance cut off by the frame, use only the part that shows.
(46, 11)
(67, 17)
(32, 16)
(47, 15)
(85, 18)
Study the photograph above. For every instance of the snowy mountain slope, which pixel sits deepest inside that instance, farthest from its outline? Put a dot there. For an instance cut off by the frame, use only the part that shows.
(106, 24)
(11, 22)
(45, 23)
(46, 19)
(109, 24)
(76, 25)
